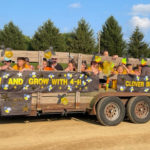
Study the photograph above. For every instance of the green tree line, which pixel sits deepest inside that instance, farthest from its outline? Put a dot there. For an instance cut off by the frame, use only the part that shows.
(80, 40)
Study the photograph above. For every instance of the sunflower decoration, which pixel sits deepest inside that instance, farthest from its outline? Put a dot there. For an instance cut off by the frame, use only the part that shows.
(50, 87)
(51, 75)
(25, 87)
(33, 75)
(7, 109)
(107, 67)
(8, 53)
(5, 86)
(6, 75)
(62, 99)
(97, 58)
(26, 97)
(48, 53)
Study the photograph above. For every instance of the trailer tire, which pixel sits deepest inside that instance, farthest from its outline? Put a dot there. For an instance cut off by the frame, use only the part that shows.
(110, 111)
(138, 109)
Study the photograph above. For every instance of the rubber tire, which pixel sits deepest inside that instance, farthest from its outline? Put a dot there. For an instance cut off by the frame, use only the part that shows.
(100, 111)
(131, 107)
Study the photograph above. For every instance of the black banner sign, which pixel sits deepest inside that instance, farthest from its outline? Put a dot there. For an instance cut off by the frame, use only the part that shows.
(15, 104)
(46, 81)
(132, 83)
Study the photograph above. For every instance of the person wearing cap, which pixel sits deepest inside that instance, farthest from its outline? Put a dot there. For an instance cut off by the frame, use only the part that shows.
(28, 63)
(56, 65)
(21, 64)
(7, 64)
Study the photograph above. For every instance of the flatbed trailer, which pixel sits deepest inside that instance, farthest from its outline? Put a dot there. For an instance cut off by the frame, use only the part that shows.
(110, 106)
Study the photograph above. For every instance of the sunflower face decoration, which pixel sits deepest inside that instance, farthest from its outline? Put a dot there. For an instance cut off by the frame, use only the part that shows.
(97, 59)
(48, 53)
(8, 53)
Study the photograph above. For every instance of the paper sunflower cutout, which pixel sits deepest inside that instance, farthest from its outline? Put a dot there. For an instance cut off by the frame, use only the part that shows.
(8, 53)
(48, 53)
(62, 99)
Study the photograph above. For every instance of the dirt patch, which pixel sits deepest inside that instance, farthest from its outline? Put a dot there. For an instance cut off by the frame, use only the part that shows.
(73, 133)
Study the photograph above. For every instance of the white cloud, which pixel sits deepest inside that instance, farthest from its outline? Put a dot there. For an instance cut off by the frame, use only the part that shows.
(142, 23)
(75, 5)
(141, 9)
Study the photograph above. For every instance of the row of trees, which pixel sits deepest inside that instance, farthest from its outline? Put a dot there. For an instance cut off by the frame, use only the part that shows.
(80, 39)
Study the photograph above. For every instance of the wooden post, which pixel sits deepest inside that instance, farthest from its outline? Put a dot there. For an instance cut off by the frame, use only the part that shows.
(77, 100)
(40, 60)
(99, 42)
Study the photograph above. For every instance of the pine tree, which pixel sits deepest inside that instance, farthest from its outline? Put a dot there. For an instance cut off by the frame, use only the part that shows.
(12, 37)
(83, 41)
(137, 47)
(46, 36)
(112, 37)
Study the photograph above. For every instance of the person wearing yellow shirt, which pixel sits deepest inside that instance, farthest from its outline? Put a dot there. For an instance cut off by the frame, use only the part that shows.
(120, 70)
(95, 68)
(21, 65)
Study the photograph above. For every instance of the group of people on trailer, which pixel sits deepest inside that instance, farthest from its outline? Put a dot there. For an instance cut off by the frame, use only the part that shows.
(23, 64)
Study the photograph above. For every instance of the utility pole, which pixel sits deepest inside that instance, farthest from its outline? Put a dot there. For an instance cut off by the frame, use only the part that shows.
(99, 42)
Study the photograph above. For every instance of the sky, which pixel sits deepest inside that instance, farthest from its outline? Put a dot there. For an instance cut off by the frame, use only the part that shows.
(28, 15)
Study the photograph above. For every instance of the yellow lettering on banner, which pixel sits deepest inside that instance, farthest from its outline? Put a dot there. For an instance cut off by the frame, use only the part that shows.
(79, 82)
(147, 84)
(38, 81)
(15, 81)
(134, 83)
(59, 82)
